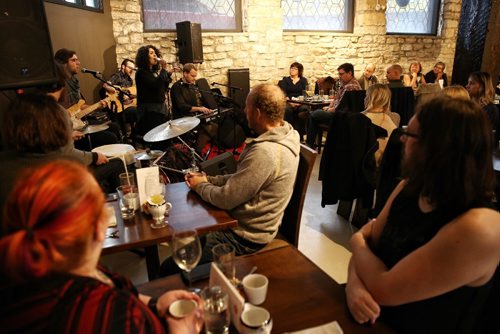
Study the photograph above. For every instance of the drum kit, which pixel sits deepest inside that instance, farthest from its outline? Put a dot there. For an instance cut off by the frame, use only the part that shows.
(171, 129)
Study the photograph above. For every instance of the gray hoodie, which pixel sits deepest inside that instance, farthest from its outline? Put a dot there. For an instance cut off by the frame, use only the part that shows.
(258, 192)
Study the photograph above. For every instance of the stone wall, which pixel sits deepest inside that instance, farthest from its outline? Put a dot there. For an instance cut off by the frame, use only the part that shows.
(268, 51)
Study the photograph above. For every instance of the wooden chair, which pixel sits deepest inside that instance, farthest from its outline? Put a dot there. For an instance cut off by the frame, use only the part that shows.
(290, 225)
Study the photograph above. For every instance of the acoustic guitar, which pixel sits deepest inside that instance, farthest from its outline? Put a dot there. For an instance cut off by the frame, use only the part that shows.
(114, 98)
(76, 113)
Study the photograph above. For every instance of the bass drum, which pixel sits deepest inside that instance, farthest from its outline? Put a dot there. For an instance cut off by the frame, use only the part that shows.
(175, 159)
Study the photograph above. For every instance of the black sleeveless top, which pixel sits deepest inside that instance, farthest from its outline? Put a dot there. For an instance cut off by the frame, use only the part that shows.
(408, 228)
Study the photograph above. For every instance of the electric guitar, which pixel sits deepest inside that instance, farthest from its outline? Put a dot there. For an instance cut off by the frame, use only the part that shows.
(114, 98)
(76, 113)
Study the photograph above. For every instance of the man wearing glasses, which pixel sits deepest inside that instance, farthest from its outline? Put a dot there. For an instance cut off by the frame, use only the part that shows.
(123, 79)
(324, 116)
(437, 74)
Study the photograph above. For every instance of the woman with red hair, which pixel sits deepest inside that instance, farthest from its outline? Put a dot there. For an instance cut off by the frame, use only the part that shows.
(50, 278)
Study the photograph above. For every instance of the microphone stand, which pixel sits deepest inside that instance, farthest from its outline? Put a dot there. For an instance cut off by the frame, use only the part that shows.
(217, 96)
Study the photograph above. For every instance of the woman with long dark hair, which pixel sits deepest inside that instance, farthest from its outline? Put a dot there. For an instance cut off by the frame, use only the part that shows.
(152, 79)
(429, 262)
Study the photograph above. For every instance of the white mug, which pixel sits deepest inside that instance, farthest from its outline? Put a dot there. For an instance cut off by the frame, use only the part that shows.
(255, 286)
(256, 320)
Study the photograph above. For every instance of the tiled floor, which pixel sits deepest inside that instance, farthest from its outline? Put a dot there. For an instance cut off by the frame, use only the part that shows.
(324, 238)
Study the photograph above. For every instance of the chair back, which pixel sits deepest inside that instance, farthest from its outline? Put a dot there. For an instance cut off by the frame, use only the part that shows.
(290, 225)
(403, 103)
(352, 101)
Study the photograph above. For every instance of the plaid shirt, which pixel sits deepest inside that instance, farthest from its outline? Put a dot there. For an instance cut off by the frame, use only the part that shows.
(351, 85)
(74, 304)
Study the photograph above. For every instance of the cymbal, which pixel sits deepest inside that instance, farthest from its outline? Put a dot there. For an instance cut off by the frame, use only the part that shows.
(95, 128)
(171, 129)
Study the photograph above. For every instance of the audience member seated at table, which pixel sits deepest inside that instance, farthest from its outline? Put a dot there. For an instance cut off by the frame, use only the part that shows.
(481, 91)
(50, 278)
(428, 262)
(294, 86)
(258, 192)
(393, 75)
(326, 84)
(36, 129)
(72, 95)
(368, 78)
(414, 78)
(324, 116)
(152, 79)
(436, 74)
(378, 110)
(456, 91)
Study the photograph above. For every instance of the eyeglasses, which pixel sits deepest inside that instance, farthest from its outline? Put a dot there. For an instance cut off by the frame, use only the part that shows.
(407, 133)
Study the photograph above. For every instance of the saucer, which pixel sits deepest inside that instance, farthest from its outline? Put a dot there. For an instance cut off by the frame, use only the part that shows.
(182, 307)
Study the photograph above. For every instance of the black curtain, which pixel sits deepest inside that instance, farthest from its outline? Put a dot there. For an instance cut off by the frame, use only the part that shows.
(472, 31)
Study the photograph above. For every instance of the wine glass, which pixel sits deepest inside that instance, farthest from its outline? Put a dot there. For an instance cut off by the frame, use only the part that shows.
(186, 251)
(155, 192)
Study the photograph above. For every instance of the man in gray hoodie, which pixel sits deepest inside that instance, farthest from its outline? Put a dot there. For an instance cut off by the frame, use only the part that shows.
(258, 192)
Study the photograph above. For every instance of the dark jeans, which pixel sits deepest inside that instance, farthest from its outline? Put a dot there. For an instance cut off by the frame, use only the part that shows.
(107, 175)
(209, 241)
(297, 117)
(316, 118)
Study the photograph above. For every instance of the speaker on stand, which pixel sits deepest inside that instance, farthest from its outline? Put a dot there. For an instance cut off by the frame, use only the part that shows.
(189, 43)
(26, 56)
(240, 78)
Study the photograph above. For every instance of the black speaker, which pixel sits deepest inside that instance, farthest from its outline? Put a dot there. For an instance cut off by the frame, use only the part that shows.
(189, 45)
(239, 78)
(222, 164)
(26, 58)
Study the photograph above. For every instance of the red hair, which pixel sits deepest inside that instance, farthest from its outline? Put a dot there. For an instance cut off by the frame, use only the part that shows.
(50, 216)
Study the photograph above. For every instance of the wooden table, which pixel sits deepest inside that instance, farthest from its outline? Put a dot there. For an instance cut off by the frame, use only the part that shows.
(188, 211)
(312, 104)
(300, 294)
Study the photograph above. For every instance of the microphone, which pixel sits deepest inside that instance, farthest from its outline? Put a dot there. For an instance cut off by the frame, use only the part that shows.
(190, 86)
(86, 70)
(229, 86)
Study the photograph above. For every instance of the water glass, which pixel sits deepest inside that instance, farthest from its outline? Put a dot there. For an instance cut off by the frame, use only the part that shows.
(223, 256)
(216, 310)
(127, 179)
(128, 201)
(331, 94)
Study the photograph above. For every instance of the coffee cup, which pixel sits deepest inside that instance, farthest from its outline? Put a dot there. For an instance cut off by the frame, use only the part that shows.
(256, 320)
(182, 307)
(255, 287)
(159, 211)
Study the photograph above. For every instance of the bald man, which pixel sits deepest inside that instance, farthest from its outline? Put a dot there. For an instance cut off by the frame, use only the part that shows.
(258, 192)
(368, 78)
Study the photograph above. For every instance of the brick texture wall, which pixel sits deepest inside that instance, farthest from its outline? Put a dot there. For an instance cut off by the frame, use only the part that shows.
(268, 51)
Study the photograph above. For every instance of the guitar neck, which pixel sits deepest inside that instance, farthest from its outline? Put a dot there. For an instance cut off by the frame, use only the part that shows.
(84, 112)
